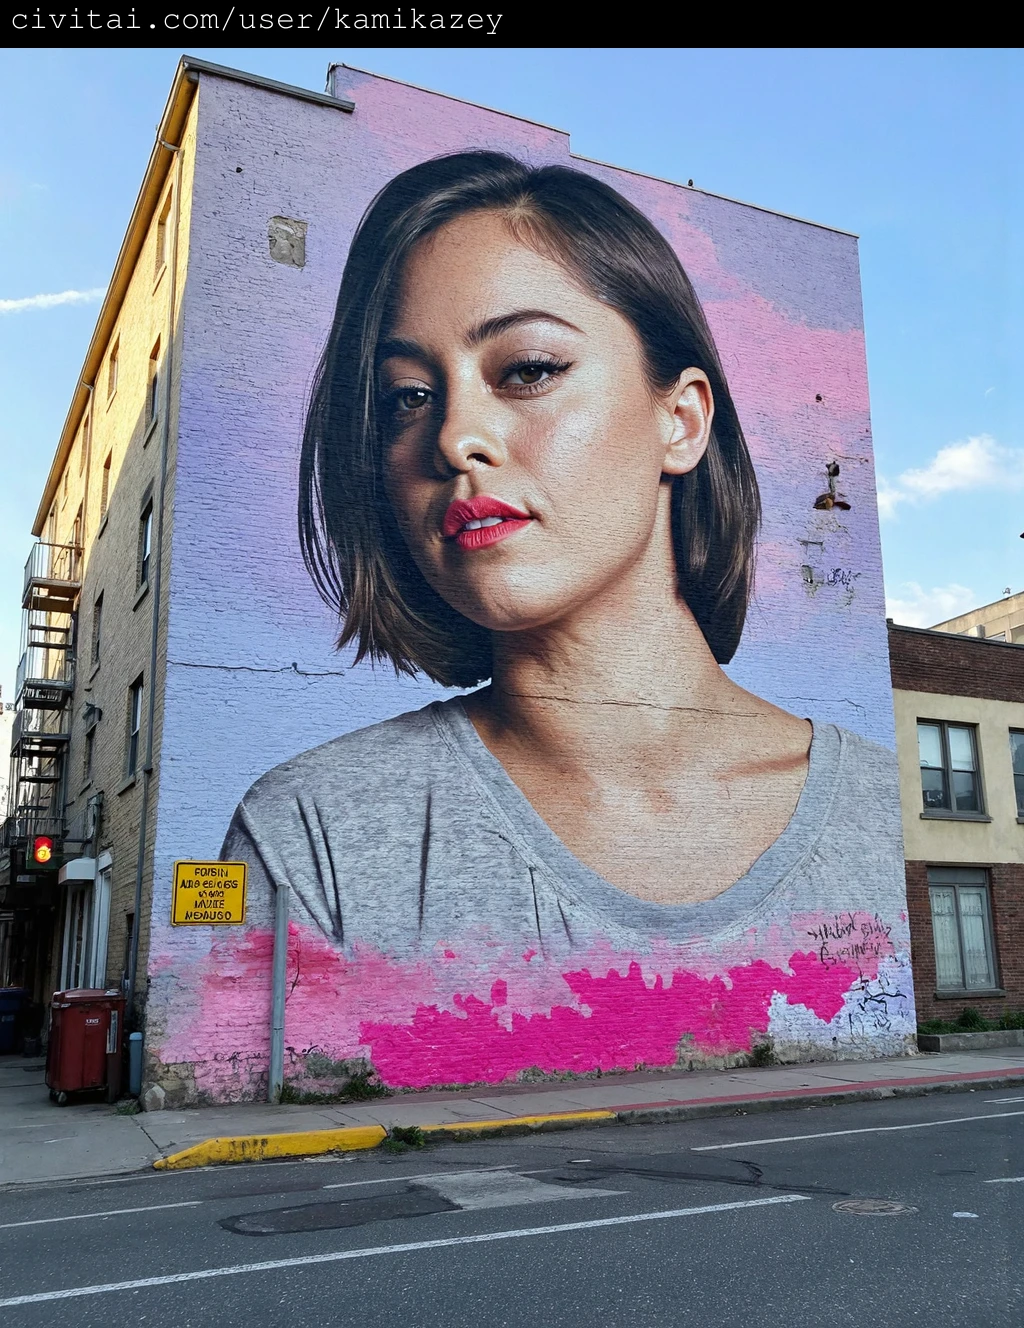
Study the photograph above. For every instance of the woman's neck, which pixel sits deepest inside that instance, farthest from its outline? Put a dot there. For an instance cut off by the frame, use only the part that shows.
(628, 681)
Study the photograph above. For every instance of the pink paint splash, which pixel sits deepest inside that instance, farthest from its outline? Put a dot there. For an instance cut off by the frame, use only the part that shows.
(479, 1010)
(623, 1022)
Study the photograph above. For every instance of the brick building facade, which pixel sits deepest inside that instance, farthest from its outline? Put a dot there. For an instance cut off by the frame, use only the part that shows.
(959, 704)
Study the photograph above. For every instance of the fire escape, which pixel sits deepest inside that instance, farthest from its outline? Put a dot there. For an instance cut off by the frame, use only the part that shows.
(43, 697)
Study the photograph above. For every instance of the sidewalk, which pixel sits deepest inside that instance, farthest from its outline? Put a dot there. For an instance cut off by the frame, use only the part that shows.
(40, 1141)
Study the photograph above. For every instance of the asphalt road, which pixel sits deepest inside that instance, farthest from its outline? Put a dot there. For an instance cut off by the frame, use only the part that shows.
(757, 1219)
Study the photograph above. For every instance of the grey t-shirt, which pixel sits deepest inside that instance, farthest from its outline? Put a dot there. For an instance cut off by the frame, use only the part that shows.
(409, 835)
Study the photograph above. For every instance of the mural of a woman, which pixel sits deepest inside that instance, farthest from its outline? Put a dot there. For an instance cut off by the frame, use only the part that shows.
(523, 468)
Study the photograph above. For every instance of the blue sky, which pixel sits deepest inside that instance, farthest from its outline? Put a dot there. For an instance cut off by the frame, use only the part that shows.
(916, 151)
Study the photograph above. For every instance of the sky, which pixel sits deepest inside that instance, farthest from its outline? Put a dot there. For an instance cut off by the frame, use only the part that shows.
(916, 151)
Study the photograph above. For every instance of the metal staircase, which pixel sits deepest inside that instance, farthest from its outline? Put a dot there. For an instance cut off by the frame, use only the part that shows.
(43, 697)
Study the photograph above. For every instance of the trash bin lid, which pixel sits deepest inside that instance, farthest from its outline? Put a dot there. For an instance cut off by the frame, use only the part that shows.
(88, 995)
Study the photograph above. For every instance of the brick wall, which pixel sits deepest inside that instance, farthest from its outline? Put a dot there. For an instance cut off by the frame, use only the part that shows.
(925, 661)
(1006, 882)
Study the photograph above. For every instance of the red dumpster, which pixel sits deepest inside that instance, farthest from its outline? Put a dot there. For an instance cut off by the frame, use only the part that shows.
(84, 1053)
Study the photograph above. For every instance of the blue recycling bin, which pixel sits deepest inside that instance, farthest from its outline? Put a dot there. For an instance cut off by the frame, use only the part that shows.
(12, 1005)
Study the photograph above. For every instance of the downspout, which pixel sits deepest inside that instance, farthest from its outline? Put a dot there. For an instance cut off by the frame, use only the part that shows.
(165, 432)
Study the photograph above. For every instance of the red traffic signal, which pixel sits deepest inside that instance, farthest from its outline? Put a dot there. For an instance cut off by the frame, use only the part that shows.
(42, 849)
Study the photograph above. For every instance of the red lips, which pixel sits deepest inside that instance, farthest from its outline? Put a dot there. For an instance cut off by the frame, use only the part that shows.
(502, 521)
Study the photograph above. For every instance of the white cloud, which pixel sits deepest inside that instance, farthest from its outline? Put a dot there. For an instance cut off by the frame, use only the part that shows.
(977, 463)
(913, 606)
(50, 301)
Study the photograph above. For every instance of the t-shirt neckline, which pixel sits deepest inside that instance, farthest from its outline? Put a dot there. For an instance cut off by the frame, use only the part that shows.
(581, 885)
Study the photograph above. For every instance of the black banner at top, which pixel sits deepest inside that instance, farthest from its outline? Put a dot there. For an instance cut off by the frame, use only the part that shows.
(303, 23)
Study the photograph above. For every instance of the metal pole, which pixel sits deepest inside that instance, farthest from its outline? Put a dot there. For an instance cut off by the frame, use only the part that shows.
(275, 1082)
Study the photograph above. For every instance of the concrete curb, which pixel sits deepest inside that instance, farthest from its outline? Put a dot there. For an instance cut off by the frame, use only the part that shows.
(259, 1147)
(308, 1143)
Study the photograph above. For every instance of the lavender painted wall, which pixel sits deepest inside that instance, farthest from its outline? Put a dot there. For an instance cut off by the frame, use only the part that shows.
(252, 678)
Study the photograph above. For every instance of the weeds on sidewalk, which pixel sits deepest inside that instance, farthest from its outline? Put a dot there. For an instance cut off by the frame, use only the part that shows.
(970, 1021)
(361, 1086)
(130, 1106)
(402, 1138)
(762, 1054)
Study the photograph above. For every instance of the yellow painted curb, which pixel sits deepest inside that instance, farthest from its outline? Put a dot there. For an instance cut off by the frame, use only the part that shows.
(257, 1147)
(519, 1122)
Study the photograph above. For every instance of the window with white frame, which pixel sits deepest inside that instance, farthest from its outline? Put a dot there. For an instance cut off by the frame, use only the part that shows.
(131, 754)
(1017, 758)
(962, 929)
(948, 753)
(105, 486)
(145, 544)
(153, 385)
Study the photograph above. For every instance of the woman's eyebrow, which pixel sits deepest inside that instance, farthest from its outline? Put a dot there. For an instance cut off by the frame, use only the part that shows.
(399, 348)
(494, 327)
(405, 348)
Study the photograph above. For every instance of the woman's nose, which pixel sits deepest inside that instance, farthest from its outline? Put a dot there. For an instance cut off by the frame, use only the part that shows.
(469, 436)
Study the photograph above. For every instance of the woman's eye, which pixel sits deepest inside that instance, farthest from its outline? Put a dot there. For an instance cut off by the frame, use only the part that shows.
(531, 373)
(407, 399)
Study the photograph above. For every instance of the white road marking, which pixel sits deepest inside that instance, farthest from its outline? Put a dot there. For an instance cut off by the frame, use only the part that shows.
(488, 1189)
(1006, 1180)
(992, 1101)
(423, 1175)
(336, 1256)
(110, 1212)
(868, 1129)
(965, 1214)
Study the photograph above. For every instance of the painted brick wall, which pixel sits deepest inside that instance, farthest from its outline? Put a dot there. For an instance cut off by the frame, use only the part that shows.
(252, 677)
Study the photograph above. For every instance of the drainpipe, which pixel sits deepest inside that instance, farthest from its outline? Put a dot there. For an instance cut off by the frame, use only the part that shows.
(275, 1082)
(165, 431)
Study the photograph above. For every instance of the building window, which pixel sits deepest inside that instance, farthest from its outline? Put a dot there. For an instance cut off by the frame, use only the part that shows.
(90, 738)
(97, 628)
(1017, 756)
(962, 929)
(112, 369)
(83, 445)
(131, 763)
(145, 543)
(105, 486)
(153, 385)
(949, 766)
(161, 235)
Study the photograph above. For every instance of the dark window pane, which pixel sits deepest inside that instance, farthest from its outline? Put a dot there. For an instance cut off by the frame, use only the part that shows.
(965, 791)
(933, 787)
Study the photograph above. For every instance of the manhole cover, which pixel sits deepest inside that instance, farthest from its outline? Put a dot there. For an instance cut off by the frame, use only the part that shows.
(873, 1207)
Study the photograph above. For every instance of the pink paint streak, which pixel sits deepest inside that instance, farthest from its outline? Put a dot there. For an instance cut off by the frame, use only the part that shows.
(623, 1022)
(480, 1011)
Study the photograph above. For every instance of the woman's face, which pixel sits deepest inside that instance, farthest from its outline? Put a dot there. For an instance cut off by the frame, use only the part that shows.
(525, 451)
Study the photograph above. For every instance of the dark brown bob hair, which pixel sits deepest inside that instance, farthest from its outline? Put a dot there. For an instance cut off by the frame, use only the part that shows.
(350, 544)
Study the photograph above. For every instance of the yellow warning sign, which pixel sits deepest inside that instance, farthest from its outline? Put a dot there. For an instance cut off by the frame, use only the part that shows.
(208, 894)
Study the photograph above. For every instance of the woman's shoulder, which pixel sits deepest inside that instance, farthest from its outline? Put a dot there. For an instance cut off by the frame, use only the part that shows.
(864, 784)
(359, 764)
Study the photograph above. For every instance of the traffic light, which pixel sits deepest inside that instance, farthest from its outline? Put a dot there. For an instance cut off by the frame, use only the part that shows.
(42, 849)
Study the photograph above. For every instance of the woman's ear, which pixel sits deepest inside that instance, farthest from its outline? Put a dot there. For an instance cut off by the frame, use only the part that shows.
(692, 408)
